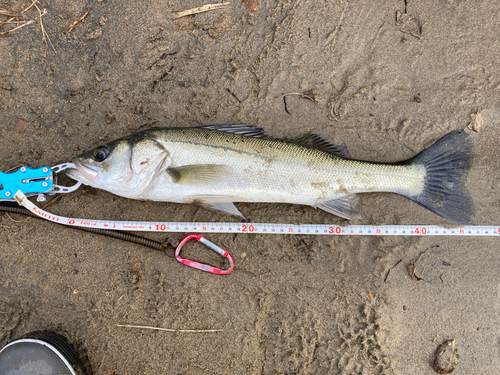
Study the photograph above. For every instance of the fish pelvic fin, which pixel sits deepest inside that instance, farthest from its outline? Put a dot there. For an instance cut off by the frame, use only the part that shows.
(447, 163)
(343, 207)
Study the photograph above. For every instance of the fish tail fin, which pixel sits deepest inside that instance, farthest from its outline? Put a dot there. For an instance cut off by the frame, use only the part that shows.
(447, 163)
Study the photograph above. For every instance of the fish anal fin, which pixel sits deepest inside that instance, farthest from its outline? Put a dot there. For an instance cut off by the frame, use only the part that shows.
(228, 208)
(315, 141)
(199, 174)
(216, 202)
(247, 130)
(343, 207)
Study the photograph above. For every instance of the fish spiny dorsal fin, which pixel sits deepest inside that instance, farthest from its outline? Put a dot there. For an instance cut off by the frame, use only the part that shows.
(247, 130)
(315, 141)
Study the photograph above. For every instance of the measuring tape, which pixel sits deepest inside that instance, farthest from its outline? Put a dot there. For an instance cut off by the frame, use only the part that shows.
(263, 228)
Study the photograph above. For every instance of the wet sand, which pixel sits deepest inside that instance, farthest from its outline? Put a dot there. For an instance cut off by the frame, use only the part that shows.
(386, 83)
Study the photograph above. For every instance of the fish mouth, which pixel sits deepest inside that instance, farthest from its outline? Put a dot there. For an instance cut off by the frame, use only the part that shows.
(83, 172)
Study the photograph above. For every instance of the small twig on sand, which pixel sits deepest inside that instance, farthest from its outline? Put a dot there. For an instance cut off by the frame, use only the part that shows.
(28, 8)
(286, 106)
(52, 201)
(8, 21)
(171, 330)
(17, 28)
(13, 168)
(17, 221)
(338, 108)
(309, 94)
(8, 13)
(204, 8)
(72, 26)
(46, 37)
(14, 16)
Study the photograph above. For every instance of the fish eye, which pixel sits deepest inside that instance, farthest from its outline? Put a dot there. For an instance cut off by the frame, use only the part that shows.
(101, 153)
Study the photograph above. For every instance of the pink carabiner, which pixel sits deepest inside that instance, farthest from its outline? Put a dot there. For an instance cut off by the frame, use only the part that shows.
(202, 266)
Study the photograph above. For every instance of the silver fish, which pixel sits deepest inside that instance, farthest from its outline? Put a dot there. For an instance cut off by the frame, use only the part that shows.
(214, 166)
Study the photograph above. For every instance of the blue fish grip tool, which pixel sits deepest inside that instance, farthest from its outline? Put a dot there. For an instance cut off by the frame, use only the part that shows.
(31, 181)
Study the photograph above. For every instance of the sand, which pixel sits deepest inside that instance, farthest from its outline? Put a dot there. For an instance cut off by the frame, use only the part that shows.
(385, 82)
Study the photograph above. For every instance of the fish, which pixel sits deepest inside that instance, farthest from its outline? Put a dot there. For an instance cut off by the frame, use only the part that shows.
(215, 166)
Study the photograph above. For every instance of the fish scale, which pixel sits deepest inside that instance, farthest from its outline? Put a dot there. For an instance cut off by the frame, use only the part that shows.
(288, 169)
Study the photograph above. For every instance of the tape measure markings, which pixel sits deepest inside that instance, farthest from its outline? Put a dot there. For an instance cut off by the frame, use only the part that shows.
(263, 228)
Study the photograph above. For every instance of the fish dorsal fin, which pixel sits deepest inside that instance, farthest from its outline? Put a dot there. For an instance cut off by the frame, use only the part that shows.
(199, 174)
(247, 130)
(315, 141)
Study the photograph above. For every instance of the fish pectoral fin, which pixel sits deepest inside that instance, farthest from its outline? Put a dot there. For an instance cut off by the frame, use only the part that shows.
(343, 207)
(217, 203)
(315, 141)
(199, 174)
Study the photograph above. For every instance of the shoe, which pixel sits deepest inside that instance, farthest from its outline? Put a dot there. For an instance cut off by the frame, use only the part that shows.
(40, 353)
